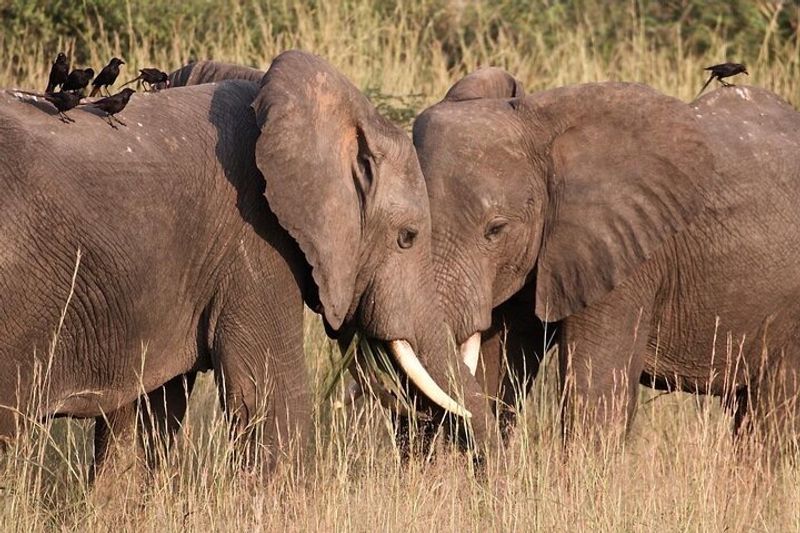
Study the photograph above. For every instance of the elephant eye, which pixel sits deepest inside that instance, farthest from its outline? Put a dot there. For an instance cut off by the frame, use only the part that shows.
(495, 228)
(406, 237)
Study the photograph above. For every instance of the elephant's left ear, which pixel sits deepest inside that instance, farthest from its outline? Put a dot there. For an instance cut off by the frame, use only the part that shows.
(487, 82)
(625, 172)
(314, 152)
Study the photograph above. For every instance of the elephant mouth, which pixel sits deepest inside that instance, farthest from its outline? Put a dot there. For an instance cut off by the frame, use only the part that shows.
(402, 353)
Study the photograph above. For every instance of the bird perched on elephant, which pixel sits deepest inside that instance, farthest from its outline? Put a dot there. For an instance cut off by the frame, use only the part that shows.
(657, 241)
(108, 75)
(112, 105)
(78, 80)
(153, 79)
(58, 73)
(722, 71)
(189, 241)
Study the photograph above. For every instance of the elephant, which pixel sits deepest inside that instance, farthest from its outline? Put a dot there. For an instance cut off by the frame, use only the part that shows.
(214, 71)
(655, 241)
(189, 240)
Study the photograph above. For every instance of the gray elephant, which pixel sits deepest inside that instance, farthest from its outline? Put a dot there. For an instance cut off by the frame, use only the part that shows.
(215, 71)
(133, 259)
(657, 241)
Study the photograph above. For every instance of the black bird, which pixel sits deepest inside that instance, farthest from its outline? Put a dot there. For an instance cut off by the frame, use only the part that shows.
(107, 76)
(152, 78)
(112, 105)
(63, 102)
(78, 80)
(58, 73)
(724, 70)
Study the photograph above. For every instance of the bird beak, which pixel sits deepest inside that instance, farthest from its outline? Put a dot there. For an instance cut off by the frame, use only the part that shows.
(746, 73)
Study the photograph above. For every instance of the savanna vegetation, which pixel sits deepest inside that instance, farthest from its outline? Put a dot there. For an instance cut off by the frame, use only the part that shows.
(678, 470)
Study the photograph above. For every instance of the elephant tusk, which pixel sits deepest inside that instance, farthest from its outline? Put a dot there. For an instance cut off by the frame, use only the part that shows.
(470, 351)
(413, 368)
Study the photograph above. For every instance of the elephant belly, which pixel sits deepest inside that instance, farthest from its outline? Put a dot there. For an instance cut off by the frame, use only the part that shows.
(718, 313)
(86, 347)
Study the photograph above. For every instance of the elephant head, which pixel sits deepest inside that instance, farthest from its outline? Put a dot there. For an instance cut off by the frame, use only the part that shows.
(347, 186)
(567, 191)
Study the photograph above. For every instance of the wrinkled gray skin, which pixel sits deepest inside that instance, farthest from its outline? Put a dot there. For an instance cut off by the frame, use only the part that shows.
(657, 239)
(188, 264)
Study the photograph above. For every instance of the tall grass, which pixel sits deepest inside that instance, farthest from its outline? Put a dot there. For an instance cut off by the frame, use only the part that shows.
(677, 471)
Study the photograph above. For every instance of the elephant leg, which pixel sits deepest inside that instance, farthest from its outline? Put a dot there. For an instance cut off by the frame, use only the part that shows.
(511, 352)
(116, 450)
(140, 433)
(769, 408)
(162, 412)
(601, 358)
(261, 373)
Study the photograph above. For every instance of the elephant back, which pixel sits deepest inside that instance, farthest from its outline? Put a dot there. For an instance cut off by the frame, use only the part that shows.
(199, 72)
(755, 135)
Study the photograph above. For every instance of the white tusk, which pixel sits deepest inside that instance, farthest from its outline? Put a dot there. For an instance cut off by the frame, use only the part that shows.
(470, 351)
(413, 368)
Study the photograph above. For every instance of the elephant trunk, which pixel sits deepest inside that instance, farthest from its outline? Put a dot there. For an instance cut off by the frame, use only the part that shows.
(450, 378)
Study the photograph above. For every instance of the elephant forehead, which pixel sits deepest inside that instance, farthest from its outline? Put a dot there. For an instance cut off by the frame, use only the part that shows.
(464, 123)
(461, 149)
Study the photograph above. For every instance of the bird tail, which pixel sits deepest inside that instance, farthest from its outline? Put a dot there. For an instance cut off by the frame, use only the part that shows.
(28, 93)
(96, 89)
(137, 78)
(706, 85)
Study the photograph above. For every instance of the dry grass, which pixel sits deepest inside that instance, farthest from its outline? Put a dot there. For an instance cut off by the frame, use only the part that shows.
(677, 471)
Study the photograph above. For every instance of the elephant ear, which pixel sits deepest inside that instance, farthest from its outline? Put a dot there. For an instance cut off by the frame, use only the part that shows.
(314, 153)
(488, 82)
(624, 177)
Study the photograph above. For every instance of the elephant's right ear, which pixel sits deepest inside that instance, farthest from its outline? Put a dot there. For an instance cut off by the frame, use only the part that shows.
(313, 152)
(488, 82)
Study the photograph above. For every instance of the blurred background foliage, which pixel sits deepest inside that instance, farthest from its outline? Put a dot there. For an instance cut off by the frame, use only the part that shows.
(405, 53)
(456, 24)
